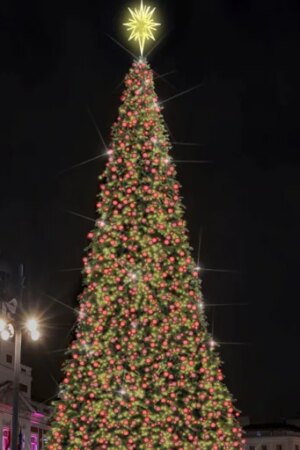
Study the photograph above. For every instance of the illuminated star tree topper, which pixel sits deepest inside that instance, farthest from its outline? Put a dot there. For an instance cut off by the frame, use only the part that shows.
(141, 25)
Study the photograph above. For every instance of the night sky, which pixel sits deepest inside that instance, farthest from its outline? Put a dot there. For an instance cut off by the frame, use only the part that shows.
(57, 62)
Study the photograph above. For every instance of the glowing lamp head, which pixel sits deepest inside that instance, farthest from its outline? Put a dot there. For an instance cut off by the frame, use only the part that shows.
(35, 335)
(5, 335)
(3, 325)
(11, 330)
(31, 325)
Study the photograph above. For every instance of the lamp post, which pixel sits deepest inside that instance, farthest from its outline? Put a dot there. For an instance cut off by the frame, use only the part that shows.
(8, 329)
(17, 363)
(17, 368)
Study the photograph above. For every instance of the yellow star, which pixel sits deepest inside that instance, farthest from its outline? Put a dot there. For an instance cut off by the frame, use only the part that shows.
(141, 25)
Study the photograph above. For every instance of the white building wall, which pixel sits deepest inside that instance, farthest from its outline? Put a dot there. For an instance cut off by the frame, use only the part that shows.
(6, 367)
(273, 443)
(28, 419)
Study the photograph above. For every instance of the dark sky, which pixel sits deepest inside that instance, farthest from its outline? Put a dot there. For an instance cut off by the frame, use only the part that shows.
(57, 61)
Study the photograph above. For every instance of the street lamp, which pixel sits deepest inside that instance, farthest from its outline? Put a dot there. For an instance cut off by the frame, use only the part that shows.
(10, 328)
(7, 328)
(32, 327)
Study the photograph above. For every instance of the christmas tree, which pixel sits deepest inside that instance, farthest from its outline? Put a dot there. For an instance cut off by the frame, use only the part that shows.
(142, 372)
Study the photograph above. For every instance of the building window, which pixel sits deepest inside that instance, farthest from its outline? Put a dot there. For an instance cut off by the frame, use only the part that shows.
(23, 387)
(9, 359)
(34, 442)
(5, 438)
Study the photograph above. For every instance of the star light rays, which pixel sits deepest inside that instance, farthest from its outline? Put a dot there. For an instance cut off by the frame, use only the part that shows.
(56, 300)
(186, 91)
(188, 144)
(83, 163)
(120, 45)
(201, 305)
(82, 216)
(97, 128)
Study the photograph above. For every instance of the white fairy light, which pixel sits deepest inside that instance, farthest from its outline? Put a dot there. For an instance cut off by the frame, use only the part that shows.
(200, 305)
(88, 349)
(122, 391)
(133, 276)
(212, 343)
(82, 315)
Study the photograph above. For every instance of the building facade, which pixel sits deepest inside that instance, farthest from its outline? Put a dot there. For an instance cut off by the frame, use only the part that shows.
(277, 436)
(33, 416)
